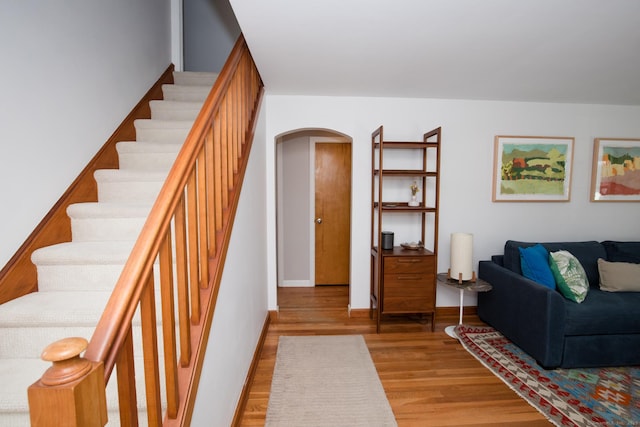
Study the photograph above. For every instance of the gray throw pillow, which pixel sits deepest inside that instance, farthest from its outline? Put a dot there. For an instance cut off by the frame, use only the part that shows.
(619, 276)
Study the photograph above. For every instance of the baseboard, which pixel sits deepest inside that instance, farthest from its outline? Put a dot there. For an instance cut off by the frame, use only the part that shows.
(469, 310)
(244, 395)
(359, 313)
(296, 284)
(19, 276)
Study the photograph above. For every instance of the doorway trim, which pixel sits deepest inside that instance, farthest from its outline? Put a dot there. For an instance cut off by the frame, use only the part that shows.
(319, 135)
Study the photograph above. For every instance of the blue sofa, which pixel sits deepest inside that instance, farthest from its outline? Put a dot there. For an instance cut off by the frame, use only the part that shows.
(603, 330)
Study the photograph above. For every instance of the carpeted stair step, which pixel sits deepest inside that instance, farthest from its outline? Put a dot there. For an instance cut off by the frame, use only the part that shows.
(93, 222)
(169, 131)
(17, 375)
(185, 93)
(194, 78)
(174, 110)
(80, 266)
(130, 187)
(30, 323)
(147, 156)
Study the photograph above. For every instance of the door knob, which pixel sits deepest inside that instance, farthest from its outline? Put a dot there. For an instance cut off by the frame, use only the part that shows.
(318, 220)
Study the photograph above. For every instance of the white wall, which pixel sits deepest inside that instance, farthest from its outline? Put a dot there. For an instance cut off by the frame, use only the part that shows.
(468, 130)
(70, 76)
(210, 31)
(242, 302)
(295, 212)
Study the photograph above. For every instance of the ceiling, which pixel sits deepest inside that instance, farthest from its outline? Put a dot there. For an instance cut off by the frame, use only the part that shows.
(561, 51)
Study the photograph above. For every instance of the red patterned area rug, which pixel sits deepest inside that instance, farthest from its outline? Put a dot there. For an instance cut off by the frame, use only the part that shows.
(567, 397)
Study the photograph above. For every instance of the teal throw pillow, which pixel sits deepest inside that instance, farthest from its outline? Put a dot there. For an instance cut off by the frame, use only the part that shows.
(534, 262)
(570, 275)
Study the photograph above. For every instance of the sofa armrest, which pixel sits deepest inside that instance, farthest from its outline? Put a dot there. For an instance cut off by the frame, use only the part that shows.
(527, 313)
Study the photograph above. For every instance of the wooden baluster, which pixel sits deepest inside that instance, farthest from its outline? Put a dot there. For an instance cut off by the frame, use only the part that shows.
(72, 388)
(126, 375)
(224, 146)
(168, 326)
(235, 125)
(182, 282)
(212, 182)
(218, 186)
(194, 273)
(203, 240)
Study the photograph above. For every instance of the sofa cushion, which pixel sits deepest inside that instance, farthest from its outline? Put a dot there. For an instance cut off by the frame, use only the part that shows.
(586, 252)
(604, 313)
(569, 275)
(534, 262)
(622, 251)
(619, 276)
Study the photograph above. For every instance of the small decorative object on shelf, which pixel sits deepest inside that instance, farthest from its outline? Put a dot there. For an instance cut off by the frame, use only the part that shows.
(412, 246)
(414, 197)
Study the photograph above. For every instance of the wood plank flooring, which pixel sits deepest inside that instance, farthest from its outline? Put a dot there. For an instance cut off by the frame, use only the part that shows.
(429, 379)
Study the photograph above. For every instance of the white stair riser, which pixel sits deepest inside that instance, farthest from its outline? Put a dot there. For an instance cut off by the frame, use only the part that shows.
(194, 78)
(28, 342)
(149, 162)
(171, 136)
(103, 277)
(170, 110)
(185, 93)
(106, 229)
(129, 192)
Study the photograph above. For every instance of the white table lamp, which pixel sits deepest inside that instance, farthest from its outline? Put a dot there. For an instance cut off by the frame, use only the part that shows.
(462, 257)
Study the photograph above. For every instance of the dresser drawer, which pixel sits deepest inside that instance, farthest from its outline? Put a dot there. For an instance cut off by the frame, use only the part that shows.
(394, 305)
(409, 284)
(409, 264)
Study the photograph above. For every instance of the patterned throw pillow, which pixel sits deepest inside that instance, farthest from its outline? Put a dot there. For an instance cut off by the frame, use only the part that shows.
(571, 278)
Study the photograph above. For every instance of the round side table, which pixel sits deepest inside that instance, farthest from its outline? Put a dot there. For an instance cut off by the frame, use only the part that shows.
(478, 285)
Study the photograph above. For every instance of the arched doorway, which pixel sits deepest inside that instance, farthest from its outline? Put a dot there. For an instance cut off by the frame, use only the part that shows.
(313, 211)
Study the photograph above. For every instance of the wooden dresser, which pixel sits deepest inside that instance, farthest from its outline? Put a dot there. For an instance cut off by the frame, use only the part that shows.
(407, 282)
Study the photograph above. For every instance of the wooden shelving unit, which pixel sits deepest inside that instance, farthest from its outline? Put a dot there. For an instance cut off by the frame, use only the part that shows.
(403, 281)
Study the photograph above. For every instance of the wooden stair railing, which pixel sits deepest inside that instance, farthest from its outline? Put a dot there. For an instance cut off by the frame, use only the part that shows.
(188, 229)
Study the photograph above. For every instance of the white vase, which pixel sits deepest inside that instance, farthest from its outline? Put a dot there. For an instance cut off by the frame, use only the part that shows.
(414, 201)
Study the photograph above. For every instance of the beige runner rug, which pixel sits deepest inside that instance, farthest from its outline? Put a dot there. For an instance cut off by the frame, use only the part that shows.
(326, 381)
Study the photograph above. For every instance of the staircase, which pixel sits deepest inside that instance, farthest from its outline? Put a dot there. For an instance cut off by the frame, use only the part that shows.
(75, 279)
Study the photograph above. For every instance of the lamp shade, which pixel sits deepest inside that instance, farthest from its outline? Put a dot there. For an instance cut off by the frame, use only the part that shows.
(461, 256)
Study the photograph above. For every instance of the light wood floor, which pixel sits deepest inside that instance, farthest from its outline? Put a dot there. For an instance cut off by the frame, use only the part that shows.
(429, 379)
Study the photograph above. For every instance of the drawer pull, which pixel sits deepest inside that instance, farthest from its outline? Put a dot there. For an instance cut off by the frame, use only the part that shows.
(408, 261)
(406, 277)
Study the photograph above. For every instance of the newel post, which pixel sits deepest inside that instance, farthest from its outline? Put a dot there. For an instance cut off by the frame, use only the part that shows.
(72, 391)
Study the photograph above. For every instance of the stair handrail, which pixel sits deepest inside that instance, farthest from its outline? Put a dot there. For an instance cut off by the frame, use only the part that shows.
(191, 221)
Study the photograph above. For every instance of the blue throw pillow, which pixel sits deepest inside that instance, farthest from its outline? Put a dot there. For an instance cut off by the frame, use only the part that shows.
(534, 262)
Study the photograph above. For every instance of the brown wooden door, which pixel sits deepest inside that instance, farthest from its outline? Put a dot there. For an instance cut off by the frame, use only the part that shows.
(332, 213)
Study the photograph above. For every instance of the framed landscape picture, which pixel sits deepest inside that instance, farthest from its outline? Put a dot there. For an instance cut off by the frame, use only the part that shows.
(615, 176)
(532, 168)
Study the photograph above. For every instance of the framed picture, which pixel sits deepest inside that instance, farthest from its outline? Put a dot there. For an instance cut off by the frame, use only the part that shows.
(532, 169)
(615, 176)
